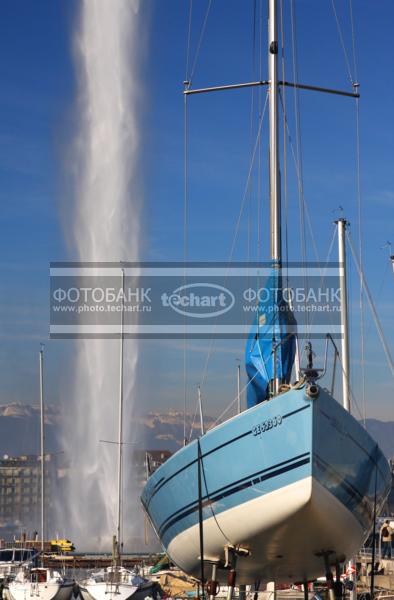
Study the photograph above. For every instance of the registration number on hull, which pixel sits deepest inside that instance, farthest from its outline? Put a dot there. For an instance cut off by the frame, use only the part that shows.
(267, 425)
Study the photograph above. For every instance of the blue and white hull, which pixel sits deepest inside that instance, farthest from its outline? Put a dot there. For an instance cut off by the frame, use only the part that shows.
(288, 479)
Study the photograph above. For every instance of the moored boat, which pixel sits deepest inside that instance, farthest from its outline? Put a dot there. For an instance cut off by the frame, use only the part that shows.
(289, 487)
(42, 583)
(286, 481)
(115, 583)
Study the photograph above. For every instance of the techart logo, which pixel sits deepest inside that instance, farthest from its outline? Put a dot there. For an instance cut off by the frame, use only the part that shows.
(199, 300)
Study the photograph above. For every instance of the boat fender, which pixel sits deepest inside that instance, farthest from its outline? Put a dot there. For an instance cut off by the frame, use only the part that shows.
(212, 587)
(312, 390)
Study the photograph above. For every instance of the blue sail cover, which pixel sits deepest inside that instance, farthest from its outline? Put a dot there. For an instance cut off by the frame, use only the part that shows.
(274, 327)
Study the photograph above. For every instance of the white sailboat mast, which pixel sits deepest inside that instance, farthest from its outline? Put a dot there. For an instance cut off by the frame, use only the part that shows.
(342, 223)
(275, 212)
(120, 424)
(42, 447)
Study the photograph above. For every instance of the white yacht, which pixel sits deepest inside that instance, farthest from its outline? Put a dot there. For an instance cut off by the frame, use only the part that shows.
(40, 582)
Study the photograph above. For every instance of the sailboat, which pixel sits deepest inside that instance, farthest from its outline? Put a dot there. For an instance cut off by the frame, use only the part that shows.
(40, 582)
(116, 582)
(287, 489)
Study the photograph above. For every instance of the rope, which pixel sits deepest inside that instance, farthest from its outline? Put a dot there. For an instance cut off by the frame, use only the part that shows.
(225, 411)
(372, 306)
(211, 504)
(249, 382)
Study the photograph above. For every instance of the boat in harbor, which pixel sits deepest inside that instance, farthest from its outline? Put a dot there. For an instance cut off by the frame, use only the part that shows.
(11, 560)
(288, 488)
(116, 582)
(39, 582)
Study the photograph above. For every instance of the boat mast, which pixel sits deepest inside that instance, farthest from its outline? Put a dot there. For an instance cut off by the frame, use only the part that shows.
(275, 212)
(342, 224)
(120, 424)
(274, 180)
(42, 444)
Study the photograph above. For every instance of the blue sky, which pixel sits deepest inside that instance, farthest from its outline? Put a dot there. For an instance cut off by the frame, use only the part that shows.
(37, 109)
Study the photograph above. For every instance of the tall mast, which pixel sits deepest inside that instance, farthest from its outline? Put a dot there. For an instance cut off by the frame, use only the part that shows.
(120, 425)
(42, 446)
(275, 219)
(342, 224)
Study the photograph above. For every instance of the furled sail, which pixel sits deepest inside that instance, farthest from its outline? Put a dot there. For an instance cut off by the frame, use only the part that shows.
(270, 349)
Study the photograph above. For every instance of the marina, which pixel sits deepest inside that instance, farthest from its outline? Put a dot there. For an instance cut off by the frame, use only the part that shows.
(211, 415)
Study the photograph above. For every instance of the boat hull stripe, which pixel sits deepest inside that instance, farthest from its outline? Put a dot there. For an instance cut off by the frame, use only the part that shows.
(237, 487)
(160, 484)
(294, 412)
(253, 476)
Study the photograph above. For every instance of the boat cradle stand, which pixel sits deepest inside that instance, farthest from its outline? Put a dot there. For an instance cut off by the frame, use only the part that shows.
(231, 554)
(335, 588)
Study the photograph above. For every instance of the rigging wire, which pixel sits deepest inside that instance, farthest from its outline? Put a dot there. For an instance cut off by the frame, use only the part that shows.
(200, 40)
(371, 305)
(185, 253)
(193, 422)
(259, 169)
(283, 101)
(342, 42)
(300, 177)
(252, 103)
(188, 81)
(379, 295)
(360, 220)
(353, 40)
(186, 211)
(189, 36)
(361, 258)
(237, 227)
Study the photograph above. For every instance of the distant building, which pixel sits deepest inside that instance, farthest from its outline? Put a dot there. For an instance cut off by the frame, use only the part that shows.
(20, 492)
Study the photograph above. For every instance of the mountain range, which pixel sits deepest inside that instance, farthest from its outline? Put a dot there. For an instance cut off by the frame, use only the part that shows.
(20, 426)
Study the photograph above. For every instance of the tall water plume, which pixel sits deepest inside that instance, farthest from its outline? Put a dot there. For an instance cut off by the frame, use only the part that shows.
(105, 228)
